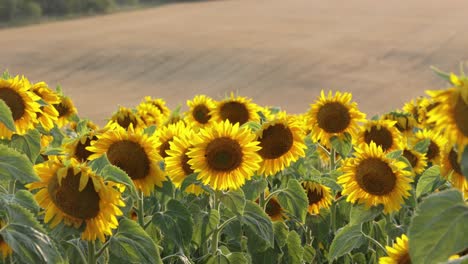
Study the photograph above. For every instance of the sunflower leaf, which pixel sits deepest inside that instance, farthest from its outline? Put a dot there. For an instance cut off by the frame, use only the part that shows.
(29, 144)
(115, 174)
(281, 233)
(58, 136)
(25, 199)
(6, 117)
(438, 228)
(441, 74)
(99, 164)
(294, 199)
(14, 165)
(309, 254)
(346, 239)
(189, 180)
(360, 214)
(342, 145)
(258, 223)
(422, 146)
(427, 180)
(293, 250)
(254, 187)
(394, 154)
(206, 223)
(131, 244)
(234, 201)
(464, 163)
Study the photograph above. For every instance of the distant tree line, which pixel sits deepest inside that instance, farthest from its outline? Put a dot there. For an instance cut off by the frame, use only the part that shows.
(30, 10)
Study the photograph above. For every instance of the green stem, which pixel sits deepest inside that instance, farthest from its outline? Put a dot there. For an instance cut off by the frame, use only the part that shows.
(262, 199)
(267, 199)
(91, 253)
(375, 242)
(103, 248)
(332, 159)
(141, 211)
(214, 236)
(80, 252)
(333, 217)
(12, 187)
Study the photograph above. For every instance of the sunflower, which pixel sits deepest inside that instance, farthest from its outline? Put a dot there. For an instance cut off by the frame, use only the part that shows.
(76, 148)
(383, 132)
(282, 142)
(159, 103)
(451, 170)
(319, 196)
(372, 178)
(66, 109)
(22, 103)
(451, 114)
(124, 117)
(436, 146)
(150, 114)
(90, 125)
(134, 152)
(46, 140)
(166, 134)
(5, 250)
(398, 254)
(236, 110)
(405, 122)
(224, 155)
(334, 116)
(417, 160)
(199, 111)
(48, 115)
(176, 161)
(71, 192)
(274, 210)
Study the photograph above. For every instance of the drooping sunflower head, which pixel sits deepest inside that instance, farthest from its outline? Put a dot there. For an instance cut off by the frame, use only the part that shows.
(383, 132)
(66, 110)
(89, 125)
(236, 110)
(273, 208)
(48, 114)
(319, 196)
(76, 148)
(160, 104)
(5, 250)
(199, 113)
(150, 114)
(224, 155)
(23, 103)
(124, 117)
(451, 170)
(166, 134)
(334, 116)
(399, 253)
(281, 142)
(417, 160)
(405, 122)
(372, 178)
(437, 144)
(71, 192)
(134, 152)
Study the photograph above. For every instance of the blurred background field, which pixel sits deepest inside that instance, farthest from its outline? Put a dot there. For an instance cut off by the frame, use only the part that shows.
(277, 52)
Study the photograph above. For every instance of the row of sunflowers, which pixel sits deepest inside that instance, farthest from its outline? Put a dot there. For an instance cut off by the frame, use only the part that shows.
(230, 181)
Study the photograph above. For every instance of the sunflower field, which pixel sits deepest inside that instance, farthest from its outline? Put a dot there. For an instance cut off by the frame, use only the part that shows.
(230, 181)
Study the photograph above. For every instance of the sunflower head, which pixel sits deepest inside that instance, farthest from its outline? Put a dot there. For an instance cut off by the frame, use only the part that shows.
(159, 103)
(224, 155)
(281, 142)
(166, 134)
(236, 110)
(48, 114)
(372, 178)
(77, 147)
(150, 114)
(23, 103)
(451, 170)
(383, 133)
(437, 144)
(125, 117)
(273, 208)
(134, 152)
(71, 192)
(417, 160)
(405, 122)
(5, 250)
(89, 125)
(399, 253)
(199, 113)
(66, 110)
(334, 116)
(319, 196)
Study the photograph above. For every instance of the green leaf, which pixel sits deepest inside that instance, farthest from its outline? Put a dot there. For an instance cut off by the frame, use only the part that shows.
(53, 152)
(422, 146)
(293, 250)
(176, 223)
(29, 244)
(441, 74)
(115, 174)
(29, 144)
(360, 214)
(131, 244)
(294, 199)
(427, 180)
(26, 199)
(204, 226)
(346, 239)
(256, 221)
(6, 117)
(281, 233)
(395, 154)
(234, 201)
(438, 228)
(189, 180)
(6, 75)
(150, 130)
(58, 136)
(252, 125)
(342, 145)
(309, 254)
(464, 163)
(236, 258)
(99, 164)
(14, 165)
(254, 187)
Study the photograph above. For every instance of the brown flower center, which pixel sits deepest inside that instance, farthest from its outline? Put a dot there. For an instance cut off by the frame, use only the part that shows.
(382, 137)
(314, 196)
(81, 153)
(235, 112)
(405, 259)
(276, 140)
(333, 117)
(130, 157)
(165, 146)
(460, 114)
(185, 165)
(67, 197)
(14, 101)
(432, 151)
(201, 113)
(375, 177)
(413, 159)
(63, 109)
(273, 209)
(126, 120)
(453, 158)
(223, 154)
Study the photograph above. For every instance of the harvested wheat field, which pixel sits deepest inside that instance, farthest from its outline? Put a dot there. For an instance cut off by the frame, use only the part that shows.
(277, 52)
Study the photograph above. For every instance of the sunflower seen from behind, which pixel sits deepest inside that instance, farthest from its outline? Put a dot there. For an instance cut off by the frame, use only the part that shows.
(281, 142)
(235, 109)
(224, 155)
(372, 178)
(405, 122)
(398, 253)
(23, 103)
(383, 133)
(318, 195)
(150, 114)
(71, 192)
(134, 152)
(333, 115)
(199, 113)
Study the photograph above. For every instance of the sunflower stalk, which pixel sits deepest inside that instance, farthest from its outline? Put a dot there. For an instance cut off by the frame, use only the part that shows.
(215, 235)
(91, 253)
(140, 211)
(12, 187)
(332, 159)
(102, 249)
(262, 199)
(377, 243)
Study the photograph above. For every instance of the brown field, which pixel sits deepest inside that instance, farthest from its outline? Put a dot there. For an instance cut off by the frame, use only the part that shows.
(277, 52)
